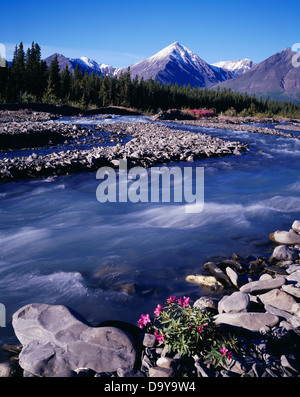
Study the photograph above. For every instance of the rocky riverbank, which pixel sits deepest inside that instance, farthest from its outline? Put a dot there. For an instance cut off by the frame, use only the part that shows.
(238, 127)
(148, 144)
(260, 307)
(231, 123)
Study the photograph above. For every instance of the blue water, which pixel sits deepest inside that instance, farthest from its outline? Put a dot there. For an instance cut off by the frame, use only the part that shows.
(59, 245)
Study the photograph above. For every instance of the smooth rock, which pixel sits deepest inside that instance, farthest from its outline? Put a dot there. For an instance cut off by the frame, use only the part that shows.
(165, 362)
(279, 299)
(253, 322)
(284, 237)
(278, 312)
(56, 339)
(236, 302)
(205, 281)
(217, 272)
(296, 226)
(263, 285)
(292, 268)
(233, 276)
(294, 278)
(282, 252)
(147, 339)
(158, 372)
(291, 290)
(206, 302)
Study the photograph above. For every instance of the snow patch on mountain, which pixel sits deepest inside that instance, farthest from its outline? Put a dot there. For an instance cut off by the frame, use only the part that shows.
(238, 66)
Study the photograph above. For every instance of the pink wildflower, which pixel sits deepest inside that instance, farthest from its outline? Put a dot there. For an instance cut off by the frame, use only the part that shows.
(200, 329)
(158, 310)
(183, 301)
(144, 320)
(224, 351)
(229, 355)
(158, 337)
(172, 299)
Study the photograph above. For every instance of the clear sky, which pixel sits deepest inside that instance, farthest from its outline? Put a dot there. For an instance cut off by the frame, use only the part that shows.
(121, 33)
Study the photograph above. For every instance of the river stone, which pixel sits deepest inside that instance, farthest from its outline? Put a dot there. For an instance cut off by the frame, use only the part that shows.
(296, 226)
(292, 268)
(282, 252)
(205, 302)
(263, 285)
(279, 299)
(236, 302)
(56, 339)
(253, 322)
(284, 237)
(294, 278)
(291, 290)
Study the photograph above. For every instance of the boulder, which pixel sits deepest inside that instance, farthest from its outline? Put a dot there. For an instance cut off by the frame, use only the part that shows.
(294, 278)
(205, 281)
(284, 237)
(279, 299)
(290, 289)
(253, 322)
(282, 252)
(236, 302)
(56, 339)
(292, 268)
(236, 279)
(205, 302)
(296, 226)
(262, 285)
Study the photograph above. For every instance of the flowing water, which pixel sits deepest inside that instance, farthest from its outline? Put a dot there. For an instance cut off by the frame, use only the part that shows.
(59, 245)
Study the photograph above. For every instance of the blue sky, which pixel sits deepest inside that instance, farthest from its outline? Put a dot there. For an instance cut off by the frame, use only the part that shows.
(121, 33)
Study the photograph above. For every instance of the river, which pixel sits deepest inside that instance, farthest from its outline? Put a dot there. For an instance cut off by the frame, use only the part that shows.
(108, 261)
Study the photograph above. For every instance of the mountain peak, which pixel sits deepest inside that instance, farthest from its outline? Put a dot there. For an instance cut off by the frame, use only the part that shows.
(176, 63)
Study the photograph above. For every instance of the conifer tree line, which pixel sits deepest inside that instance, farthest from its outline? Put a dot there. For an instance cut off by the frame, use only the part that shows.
(28, 80)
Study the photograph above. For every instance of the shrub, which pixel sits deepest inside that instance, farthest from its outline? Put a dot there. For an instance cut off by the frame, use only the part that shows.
(199, 113)
(188, 331)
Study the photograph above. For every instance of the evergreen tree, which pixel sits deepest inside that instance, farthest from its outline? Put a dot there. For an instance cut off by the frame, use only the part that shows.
(18, 72)
(54, 81)
(65, 83)
(34, 71)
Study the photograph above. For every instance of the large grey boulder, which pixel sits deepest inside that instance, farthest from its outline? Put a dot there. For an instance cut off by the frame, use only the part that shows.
(56, 339)
(282, 252)
(296, 226)
(262, 285)
(236, 302)
(279, 299)
(294, 278)
(253, 322)
(284, 237)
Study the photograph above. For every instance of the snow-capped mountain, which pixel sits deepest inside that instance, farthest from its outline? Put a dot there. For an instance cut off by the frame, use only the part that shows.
(95, 66)
(275, 77)
(177, 64)
(239, 66)
(173, 64)
(84, 64)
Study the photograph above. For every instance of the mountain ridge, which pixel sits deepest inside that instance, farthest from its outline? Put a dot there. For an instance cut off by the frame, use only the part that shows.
(275, 77)
(173, 64)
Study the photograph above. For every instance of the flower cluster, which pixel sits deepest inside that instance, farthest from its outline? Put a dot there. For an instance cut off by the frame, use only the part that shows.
(185, 329)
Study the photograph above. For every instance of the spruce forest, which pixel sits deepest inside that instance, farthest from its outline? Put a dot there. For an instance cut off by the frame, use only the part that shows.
(29, 80)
